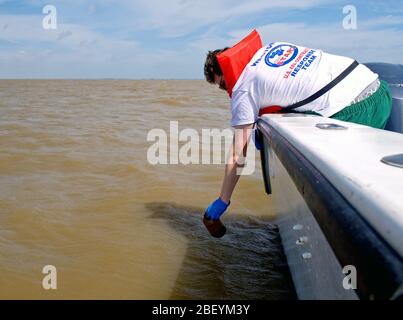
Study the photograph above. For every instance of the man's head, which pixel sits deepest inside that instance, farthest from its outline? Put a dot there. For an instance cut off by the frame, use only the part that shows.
(212, 69)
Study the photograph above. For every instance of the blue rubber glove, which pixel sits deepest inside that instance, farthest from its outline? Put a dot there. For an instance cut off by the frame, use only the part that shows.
(216, 209)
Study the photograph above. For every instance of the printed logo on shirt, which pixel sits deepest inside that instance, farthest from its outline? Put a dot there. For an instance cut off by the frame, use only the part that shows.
(268, 47)
(302, 62)
(281, 55)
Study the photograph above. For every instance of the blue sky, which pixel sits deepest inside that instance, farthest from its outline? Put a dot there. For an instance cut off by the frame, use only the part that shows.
(169, 38)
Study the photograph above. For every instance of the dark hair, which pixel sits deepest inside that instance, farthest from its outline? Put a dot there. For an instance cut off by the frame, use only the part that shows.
(211, 66)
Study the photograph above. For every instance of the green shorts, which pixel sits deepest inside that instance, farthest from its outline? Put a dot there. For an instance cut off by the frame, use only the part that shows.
(374, 111)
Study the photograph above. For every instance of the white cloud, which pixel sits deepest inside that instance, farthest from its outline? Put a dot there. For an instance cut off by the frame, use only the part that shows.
(386, 6)
(383, 21)
(70, 48)
(25, 31)
(64, 34)
(176, 18)
(76, 50)
(28, 29)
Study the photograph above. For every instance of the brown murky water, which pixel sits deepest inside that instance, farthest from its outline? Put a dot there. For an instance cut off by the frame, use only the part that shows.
(77, 192)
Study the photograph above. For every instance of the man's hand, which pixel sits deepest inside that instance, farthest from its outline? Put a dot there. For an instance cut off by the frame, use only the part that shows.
(212, 216)
(216, 209)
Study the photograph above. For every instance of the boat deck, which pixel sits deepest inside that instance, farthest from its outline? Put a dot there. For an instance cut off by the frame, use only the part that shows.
(351, 160)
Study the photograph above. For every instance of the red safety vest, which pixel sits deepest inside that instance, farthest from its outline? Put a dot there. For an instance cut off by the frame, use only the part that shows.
(270, 109)
(234, 60)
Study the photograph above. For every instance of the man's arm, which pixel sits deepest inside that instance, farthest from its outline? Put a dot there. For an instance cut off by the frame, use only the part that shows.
(233, 169)
(236, 160)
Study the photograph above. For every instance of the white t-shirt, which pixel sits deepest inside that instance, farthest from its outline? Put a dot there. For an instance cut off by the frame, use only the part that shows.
(283, 73)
